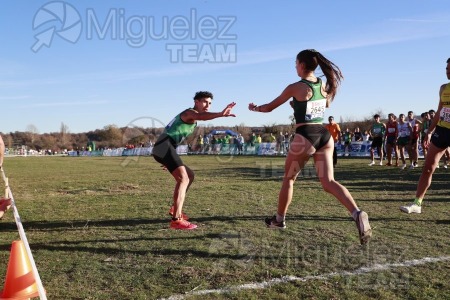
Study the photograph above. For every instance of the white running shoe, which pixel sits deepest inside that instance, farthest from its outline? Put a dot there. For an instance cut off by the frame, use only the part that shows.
(372, 163)
(381, 163)
(411, 167)
(411, 208)
(364, 229)
(403, 166)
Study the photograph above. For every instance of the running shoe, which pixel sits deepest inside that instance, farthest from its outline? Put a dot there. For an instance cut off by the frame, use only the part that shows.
(372, 163)
(272, 223)
(172, 211)
(411, 208)
(403, 166)
(182, 224)
(411, 167)
(381, 162)
(388, 164)
(364, 229)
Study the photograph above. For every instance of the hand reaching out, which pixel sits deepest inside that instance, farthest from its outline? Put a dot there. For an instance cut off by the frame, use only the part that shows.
(227, 111)
(252, 106)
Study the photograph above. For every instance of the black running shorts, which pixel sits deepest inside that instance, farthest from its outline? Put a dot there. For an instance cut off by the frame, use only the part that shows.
(441, 137)
(317, 135)
(165, 153)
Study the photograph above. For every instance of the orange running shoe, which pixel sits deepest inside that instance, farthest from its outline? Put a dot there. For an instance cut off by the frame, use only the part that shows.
(172, 211)
(182, 224)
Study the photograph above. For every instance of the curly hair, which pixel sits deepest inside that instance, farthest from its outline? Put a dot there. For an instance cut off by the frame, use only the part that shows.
(203, 94)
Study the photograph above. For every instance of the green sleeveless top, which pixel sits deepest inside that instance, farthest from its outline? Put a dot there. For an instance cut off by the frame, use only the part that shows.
(425, 126)
(312, 110)
(178, 130)
(377, 130)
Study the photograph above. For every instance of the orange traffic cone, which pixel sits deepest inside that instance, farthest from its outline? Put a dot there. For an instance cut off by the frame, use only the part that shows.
(20, 283)
(4, 206)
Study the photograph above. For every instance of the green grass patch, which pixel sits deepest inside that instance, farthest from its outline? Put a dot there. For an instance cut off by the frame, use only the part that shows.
(98, 229)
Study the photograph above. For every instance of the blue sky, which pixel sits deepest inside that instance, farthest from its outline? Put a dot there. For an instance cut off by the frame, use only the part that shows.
(392, 55)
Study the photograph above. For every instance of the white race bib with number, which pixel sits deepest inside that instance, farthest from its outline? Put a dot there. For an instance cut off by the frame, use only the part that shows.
(315, 109)
(445, 114)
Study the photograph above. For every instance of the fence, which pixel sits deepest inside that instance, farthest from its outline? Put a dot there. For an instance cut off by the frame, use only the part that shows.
(357, 149)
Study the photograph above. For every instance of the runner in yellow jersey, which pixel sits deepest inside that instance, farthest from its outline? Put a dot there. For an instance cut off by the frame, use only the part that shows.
(439, 134)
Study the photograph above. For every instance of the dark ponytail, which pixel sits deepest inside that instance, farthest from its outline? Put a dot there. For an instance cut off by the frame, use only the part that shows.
(312, 58)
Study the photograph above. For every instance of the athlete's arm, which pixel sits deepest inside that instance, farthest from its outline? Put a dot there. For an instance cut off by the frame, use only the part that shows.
(190, 115)
(288, 92)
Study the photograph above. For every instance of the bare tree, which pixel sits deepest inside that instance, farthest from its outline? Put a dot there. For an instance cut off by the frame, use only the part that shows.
(64, 131)
(32, 133)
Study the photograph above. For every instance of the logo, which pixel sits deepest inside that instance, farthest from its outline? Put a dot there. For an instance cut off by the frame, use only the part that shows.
(57, 18)
(189, 38)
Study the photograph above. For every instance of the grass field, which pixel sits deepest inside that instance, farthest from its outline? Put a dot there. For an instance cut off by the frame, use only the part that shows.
(98, 229)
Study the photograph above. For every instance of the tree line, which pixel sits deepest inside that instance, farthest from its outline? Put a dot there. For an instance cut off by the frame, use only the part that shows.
(112, 136)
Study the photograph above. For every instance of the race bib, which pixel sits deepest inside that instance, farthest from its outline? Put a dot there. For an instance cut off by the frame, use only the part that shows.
(445, 114)
(403, 132)
(315, 109)
(391, 130)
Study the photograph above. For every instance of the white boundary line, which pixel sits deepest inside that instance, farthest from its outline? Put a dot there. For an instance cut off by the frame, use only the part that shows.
(23, 237)
(286, 279)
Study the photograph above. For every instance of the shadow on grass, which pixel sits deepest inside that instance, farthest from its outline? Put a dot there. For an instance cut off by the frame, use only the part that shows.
(171, 248)
(120, 223)
(375, 179)
(85, 224)
(115, 251)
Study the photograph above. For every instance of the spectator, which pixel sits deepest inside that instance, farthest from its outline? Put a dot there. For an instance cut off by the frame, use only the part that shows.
(287, 141)
(205, 143)
(199, 143)
(357, 135)
(272, 138)
(377, 132)
(253, 139)
(426, 122)
(347, 137)
(240, 144)
(280, 143)
(404, 132)
(335, 132)
(214, 145)
(391, 139)
(366, 136)
(414, 138)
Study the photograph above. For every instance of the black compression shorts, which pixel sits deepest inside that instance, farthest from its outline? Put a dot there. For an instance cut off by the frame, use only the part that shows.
(317, 135)
(165, 153)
